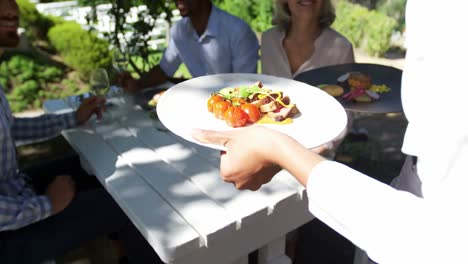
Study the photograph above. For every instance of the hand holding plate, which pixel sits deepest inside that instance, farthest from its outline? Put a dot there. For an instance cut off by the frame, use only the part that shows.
(247, 162)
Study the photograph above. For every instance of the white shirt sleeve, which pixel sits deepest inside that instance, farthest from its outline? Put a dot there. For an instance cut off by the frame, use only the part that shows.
(170, 60)
(391, 226)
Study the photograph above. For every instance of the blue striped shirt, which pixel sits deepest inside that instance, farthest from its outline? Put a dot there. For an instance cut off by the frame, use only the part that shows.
(19, 204)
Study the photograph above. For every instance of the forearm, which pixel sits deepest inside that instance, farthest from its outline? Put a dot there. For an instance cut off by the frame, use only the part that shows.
(42, 127)
(296, 159)
(153, 77)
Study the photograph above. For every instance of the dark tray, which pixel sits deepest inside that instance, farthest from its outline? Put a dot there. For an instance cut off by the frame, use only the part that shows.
(388, 103)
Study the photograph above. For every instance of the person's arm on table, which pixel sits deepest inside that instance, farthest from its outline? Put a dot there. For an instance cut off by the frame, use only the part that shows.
(159, 74)
(153, 77)
(374, 216)
(50, 125)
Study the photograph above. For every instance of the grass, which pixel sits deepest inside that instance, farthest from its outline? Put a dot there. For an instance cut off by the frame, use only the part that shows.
(182, 72)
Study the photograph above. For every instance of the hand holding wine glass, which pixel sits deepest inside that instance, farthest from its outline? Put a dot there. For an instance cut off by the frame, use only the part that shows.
(100, 86)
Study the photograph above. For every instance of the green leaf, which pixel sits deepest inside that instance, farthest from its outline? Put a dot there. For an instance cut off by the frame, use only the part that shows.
(227, 92)
(244, 91)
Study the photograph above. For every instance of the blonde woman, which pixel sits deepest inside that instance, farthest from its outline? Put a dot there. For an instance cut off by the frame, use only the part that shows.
(302, 39)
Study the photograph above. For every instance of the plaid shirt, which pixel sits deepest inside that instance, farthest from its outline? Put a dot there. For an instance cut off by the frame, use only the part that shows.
(19, 204)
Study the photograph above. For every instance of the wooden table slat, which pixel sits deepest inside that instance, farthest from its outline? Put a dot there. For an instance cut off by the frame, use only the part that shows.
(180, 193)
(166, 231)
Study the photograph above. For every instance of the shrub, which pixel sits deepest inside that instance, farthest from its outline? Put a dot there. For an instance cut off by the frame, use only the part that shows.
(263, 14)
(49, 21)
(395, 9)
(369, 30)
(80, 49)
(257, 14)
(27, 81)
(26, 91)
(36, 24)
(351, 21)
(23, 95)
(240, 8)
(379, 33)
(29, 14)
(51, 74)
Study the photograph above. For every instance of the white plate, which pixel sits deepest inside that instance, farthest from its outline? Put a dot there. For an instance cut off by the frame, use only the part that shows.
(184, 107)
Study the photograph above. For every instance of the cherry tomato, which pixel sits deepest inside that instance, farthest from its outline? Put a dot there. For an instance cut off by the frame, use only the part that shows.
(213, 99)
(235, 116)
(219, 108)
(252, 112)
(238, 101)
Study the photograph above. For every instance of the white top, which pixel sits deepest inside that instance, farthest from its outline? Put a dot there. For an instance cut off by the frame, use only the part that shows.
(228, 45)
(330, 48)
(396, 226)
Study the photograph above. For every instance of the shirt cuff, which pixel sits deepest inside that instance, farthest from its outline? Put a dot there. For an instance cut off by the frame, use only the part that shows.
(326, 180)
(70, 119)
(322, 169)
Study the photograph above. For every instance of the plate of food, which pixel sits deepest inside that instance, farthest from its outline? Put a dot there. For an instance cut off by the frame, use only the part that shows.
(228, 101)
(149, 97)
(359, 87)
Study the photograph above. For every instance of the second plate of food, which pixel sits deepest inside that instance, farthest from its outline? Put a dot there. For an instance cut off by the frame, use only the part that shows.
(380, 76)
(184, 107)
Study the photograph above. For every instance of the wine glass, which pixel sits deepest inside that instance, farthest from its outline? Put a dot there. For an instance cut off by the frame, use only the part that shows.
(119, 61)
(99, 82)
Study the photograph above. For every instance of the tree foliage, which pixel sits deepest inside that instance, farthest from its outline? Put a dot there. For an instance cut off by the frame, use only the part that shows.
(35, 23)
(257, 14)
(133, 36)
(28, 81)
(80, 49)
(395, 9)
(368, 29)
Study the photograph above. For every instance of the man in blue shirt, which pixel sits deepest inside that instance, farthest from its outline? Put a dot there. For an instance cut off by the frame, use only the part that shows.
(39, 223)
(208, 40)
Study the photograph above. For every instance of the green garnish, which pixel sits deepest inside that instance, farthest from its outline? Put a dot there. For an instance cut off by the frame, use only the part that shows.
(227, 92)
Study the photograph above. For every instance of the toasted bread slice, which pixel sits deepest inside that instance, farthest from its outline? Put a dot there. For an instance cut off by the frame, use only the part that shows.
(333, 90)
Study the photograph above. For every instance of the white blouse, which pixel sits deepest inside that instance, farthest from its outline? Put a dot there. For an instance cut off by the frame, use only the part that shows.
(330, 48)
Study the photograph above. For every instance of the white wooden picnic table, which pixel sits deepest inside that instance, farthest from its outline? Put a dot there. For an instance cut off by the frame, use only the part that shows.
(171, 190)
